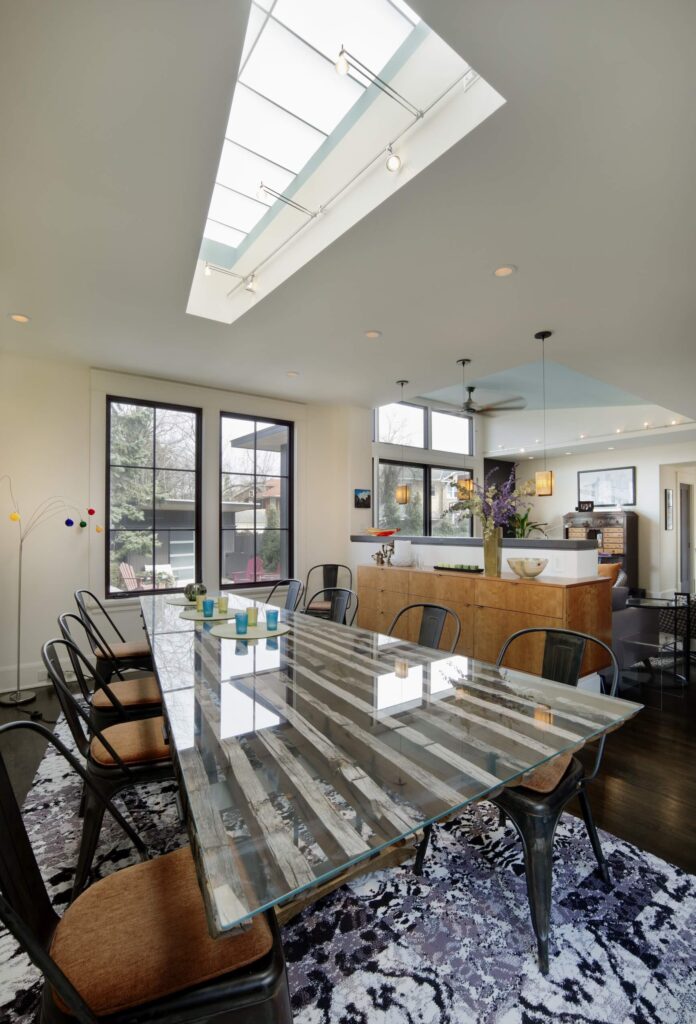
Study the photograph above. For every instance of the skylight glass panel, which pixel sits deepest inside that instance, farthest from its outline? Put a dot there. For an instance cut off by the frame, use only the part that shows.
(370, 29)
(269, 131)
(243, 170)
(406, 10)
(257, 17)
(293, 75)
(229, 207)
(221, 233)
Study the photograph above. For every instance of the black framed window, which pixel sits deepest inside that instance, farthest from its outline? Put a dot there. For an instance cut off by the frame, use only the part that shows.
(153, 458)
(421, 500)
(402, 423)
(256, 481)
(450, 432)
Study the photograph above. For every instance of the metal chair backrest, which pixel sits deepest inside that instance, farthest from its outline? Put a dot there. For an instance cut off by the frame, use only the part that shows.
(97, 638)
(50, 653)
(433, 619)
(25, 907)
(293, 594)
(564, 650)
(329, 576)
(341, 601)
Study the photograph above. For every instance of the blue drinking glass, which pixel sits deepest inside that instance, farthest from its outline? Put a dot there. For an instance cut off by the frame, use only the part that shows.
(272, 619)
(241, 621)
(208, 607)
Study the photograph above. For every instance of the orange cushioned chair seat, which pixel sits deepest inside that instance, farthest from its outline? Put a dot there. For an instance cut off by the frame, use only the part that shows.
(134, 742)
(320, 606)
(546, 778)
(610, 569)
(141, 934)
(130, 692)
(128, 649)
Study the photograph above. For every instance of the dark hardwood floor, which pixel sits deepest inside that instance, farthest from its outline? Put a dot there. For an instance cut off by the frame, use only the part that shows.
(646, 792)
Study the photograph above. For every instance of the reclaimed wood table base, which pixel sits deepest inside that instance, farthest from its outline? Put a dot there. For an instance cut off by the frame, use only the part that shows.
(310, 759)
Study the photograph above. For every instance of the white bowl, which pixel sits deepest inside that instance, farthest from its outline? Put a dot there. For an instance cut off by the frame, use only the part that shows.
(527, 568)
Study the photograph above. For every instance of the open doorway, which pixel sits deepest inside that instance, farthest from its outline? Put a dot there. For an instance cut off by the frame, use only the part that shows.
(685, 538)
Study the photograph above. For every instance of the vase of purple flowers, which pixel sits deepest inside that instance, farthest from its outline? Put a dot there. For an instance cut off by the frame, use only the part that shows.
(497, 507)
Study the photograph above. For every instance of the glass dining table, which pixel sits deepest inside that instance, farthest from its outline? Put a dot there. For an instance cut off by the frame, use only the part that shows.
(300, 755)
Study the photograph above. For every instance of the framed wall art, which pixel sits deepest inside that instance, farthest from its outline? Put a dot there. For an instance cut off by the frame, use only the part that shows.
(363, 497)
(607, 487)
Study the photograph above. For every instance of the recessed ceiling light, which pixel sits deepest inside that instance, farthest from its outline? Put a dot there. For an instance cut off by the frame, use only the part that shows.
(500, 446)
(372, 333)
(292, 373)
(530, 456)
(610, 448)
(674, 422)
(505, 271)
(618, 430)
(521, 449)
(537, 440)
(19, 318)
(646, 424)
(569, 453)
(583, 436)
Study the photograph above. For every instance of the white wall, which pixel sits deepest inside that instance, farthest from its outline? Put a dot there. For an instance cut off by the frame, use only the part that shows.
(52, 424)
(656, 560)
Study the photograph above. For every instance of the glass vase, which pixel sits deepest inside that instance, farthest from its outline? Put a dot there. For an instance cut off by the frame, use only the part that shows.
(493, 552)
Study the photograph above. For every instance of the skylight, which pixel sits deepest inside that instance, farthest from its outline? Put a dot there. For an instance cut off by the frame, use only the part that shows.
(309, 132)
(280, 119)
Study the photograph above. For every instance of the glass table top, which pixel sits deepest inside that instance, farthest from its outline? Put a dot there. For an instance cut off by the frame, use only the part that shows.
(300, 755)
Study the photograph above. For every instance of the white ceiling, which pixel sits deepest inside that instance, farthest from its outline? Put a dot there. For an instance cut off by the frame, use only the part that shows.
(111, 118)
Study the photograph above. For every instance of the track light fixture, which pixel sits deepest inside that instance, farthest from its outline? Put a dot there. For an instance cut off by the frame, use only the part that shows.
(266, 190)
(393, 160)
(208, 270)
(250, 283)
(348, 62)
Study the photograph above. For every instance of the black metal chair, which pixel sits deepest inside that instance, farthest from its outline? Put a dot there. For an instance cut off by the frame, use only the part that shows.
(134, 948)
(126, 754)
(433, 619)
(536, 804)
(339, 602)
(293, 595)
(116, 701)
(330, 572)
(111, 655)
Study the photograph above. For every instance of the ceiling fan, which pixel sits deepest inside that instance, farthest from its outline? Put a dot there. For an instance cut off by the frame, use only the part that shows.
(470, 407)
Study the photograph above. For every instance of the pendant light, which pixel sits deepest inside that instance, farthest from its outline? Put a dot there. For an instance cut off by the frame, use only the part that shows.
(543, 479)
(403, 491)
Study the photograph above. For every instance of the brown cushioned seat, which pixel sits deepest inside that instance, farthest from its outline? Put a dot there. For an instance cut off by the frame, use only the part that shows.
(134, 742)
(141, 934)
(130, 692)
(546, 778)
(320, 606)
(128, 649)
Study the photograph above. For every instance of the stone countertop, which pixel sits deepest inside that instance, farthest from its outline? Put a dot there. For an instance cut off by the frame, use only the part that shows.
(540, 544)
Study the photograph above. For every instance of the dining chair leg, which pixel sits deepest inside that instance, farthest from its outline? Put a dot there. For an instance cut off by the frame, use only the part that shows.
(594, 838)
(537, 833)
(422, 850)
(91, 827)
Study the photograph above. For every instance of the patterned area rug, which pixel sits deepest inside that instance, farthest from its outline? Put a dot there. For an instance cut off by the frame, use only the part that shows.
(453, 947)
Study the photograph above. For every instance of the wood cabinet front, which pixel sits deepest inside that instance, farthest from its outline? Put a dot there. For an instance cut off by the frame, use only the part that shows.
(489, 610)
